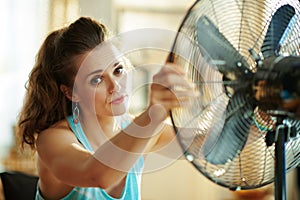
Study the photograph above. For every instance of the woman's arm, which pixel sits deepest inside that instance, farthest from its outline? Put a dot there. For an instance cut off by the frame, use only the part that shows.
(167, 144)
(71, 164)
(59, 149)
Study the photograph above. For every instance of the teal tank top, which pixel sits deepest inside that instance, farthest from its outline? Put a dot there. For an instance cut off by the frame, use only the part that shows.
(131, 191)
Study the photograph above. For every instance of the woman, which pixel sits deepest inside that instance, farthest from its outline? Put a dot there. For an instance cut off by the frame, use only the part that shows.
(75, 95)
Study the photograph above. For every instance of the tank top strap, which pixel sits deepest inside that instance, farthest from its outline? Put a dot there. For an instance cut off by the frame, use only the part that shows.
(81, 137)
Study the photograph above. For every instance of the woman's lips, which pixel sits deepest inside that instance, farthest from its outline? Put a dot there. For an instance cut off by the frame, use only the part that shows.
(118, 100)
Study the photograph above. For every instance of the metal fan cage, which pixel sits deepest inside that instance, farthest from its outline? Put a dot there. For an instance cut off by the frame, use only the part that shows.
(244, 24)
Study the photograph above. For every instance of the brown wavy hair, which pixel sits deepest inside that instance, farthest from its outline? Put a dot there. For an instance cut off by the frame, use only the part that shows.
(45, 104)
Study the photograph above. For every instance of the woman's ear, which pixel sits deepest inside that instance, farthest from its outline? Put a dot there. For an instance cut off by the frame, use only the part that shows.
(69, 93)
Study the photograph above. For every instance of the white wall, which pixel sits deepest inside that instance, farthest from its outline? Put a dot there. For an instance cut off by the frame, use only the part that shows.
(23, 24)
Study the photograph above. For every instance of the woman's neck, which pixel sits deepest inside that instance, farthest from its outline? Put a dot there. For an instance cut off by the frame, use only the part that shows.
(98, 129)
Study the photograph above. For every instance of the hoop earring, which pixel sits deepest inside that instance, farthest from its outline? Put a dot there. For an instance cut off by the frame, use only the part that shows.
(76, 113)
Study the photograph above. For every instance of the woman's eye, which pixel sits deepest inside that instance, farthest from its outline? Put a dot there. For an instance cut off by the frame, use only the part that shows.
(96, 80)
(119, 69)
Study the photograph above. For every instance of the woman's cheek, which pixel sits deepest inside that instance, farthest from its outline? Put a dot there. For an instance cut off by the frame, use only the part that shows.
(90, 96)
(99, 97)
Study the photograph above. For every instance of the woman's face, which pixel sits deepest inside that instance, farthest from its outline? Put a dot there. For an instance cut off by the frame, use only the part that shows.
(101, 82)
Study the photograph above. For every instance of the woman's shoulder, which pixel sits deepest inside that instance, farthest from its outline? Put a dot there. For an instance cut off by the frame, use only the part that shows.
(57, 130)
(61, 125)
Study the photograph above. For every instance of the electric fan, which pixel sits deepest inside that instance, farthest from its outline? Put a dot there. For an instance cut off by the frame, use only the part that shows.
(243, 132)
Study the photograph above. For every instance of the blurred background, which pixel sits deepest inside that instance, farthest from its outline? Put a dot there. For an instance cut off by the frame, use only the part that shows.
(24, 25)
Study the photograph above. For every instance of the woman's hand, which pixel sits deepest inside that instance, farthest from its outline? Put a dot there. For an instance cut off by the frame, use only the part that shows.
(169, 89)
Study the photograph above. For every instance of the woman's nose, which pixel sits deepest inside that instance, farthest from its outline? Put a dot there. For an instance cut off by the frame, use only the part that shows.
(113, 85)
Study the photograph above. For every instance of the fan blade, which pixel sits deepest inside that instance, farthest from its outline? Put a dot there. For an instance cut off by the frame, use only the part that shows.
(275, 32)
(220, 147)
(223, 53)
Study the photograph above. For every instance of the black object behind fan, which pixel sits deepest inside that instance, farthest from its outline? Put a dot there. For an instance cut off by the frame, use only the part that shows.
(244, 59)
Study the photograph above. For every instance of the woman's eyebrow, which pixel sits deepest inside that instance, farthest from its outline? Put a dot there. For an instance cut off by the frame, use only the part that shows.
(98, 71)
(117, 63)
(94, 72)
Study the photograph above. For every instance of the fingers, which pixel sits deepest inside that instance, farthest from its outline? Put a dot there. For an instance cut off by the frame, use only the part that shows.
(172, 99)
(172, 77)
(171, 88)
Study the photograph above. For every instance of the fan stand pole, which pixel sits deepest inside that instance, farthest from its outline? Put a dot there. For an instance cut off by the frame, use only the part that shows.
(280, 166)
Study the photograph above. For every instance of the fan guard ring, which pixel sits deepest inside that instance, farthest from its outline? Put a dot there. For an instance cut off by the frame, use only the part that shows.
(226, 132)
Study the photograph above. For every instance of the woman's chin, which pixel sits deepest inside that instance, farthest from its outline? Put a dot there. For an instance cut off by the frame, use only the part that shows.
(119, 110)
